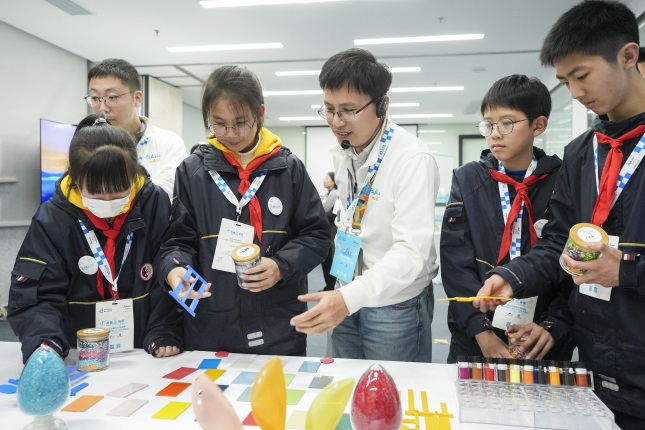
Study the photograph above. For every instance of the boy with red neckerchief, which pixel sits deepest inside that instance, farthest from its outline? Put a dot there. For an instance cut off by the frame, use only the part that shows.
(594, 49)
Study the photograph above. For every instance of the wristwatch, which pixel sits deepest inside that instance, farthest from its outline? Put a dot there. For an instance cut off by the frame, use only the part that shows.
(486, 324)
(546, 325)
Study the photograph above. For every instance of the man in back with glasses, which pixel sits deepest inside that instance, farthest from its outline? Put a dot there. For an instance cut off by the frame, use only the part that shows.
(115, 88)
(385, 257)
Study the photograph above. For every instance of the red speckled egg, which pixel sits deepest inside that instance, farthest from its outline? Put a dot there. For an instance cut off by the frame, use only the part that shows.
(376, 404)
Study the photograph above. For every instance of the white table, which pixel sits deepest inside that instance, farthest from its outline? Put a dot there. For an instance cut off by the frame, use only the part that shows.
(437, 380)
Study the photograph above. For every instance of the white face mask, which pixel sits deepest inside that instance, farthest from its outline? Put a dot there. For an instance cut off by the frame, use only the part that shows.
(105, 208)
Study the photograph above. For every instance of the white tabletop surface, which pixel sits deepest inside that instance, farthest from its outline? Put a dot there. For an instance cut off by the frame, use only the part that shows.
(437, 380)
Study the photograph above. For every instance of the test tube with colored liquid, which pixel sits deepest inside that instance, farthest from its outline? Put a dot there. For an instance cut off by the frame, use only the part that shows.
(515, 371)
(489, 369)
(554, 373)
(581, 374)
(476, 368)
(501, 370)
(542, 372)
(463, 367)
(569, 373)
(527, 372)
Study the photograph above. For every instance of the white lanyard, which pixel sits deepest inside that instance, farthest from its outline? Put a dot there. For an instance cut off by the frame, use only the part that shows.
(255, 186)
(352, 198)
(516, 231)
(99, 256)
(626, 171)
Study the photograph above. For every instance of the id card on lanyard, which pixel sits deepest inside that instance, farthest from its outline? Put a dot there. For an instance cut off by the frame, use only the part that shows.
(233, 233)
(515, 311)
(117, 313)
(348, 241)
(119, 318)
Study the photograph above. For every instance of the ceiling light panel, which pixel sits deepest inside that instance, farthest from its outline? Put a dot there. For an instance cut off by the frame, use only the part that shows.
(241, 3)
(210, 48)
(418, 39)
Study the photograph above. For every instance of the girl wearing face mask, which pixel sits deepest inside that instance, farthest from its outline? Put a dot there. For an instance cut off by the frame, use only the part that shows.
(245, 185)
(105, 206)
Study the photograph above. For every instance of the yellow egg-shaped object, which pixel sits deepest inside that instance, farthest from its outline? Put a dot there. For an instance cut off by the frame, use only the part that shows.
(327, 408)
(269, 396)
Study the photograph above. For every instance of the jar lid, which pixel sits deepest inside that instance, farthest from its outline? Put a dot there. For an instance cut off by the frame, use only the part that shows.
(246, 252)
(583, 233)
(93, 332)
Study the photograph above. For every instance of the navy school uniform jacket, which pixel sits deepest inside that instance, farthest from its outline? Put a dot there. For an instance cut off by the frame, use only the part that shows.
(609, 334)
(471, 237)
(51, 299)
(297, 239)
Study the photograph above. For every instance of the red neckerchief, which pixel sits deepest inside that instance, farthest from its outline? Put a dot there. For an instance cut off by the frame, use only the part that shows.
(609, 177)
(111, 233)
(254, 205)
(522, 196)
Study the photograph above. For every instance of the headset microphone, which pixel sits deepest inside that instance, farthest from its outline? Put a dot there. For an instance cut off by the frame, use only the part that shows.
(345, 144)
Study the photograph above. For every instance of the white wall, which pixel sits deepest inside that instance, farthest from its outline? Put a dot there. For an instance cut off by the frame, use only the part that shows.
(294, 139)
(39, 81)
(193, 127)
(164, 105)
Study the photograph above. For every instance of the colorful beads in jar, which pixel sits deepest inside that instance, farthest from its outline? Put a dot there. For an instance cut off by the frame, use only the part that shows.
(577, 245)
(93, 349)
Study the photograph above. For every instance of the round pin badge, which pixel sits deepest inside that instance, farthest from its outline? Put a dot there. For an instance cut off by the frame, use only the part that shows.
(146, 272)
(275, 206)
(539, 226)
(88, 265)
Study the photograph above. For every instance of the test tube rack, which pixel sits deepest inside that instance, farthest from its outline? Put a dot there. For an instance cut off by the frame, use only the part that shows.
(542, 406)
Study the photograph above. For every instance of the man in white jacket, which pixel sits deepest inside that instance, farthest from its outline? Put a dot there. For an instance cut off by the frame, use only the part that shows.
(115, 88)
(385, 257)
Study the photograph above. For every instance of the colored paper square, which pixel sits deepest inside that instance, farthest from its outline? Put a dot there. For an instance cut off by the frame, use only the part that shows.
(344, 423)
(127, 408)
(249, 420)
(127, 389)
(294, 396)
(242, 363)
(180, 373)
(222, 387)
(246, 395)
(82, 404)
(245, 378)
(288, 377)
(173, 389)
(209, 363)
(213, 374)
(171, 411)
(321, 382)
(297, 420)
(309, 366)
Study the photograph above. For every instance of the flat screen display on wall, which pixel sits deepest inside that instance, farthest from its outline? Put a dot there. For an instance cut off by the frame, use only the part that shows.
(55, 138)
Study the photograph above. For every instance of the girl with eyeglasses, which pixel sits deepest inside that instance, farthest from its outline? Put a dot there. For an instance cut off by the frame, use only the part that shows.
(245, 187)
(92, 246)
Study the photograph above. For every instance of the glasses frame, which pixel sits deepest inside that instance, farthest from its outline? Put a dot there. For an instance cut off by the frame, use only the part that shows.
(233, 128)
(351, 113)
(493, 125)
(88, 98)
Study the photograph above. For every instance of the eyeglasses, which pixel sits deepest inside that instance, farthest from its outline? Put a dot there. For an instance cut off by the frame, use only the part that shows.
(109, 101)
(504, 126)
(242, 129)
(343, 115)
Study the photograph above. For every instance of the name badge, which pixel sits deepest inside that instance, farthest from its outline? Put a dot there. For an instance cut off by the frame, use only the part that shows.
(348, 248)
(516, 311)
(231, 235)
(118, 316)
(597, 291)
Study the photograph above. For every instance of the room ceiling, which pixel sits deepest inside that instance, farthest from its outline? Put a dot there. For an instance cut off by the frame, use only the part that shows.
(141, 30)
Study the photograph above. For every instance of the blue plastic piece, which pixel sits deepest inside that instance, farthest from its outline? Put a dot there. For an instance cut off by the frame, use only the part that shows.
(202, 286)
(78, 388)
(78, 375)
(8, 389)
